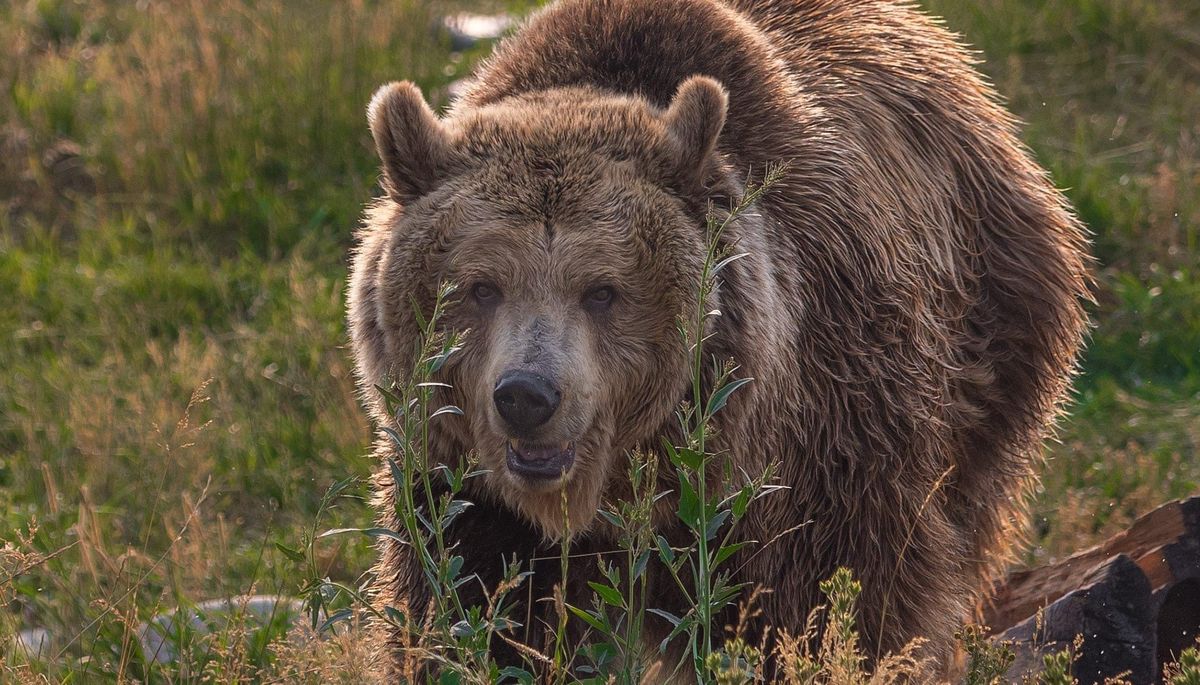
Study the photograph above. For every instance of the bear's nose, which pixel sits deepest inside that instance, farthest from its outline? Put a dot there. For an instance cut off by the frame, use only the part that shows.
(525, 400)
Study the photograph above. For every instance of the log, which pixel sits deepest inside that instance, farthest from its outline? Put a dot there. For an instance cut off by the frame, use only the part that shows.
(1111, 610)
(1135, 600)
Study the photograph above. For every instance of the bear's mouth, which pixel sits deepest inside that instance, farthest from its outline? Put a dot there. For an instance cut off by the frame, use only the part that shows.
(537, 462)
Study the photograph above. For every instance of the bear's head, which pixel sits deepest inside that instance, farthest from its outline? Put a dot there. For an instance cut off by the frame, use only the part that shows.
(572, 223)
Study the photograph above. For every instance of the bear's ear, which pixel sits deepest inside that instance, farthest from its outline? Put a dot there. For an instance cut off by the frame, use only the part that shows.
(695, 118)
(412, 144)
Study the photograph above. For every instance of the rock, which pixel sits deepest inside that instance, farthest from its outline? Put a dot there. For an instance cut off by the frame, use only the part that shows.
(161, 635)
(466, 30)
(69, 175)
(34, 642)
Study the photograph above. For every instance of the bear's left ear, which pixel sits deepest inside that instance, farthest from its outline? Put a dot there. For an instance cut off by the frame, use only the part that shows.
(694, 119)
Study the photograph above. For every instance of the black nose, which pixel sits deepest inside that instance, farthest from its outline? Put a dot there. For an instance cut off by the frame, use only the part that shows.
(525, 400)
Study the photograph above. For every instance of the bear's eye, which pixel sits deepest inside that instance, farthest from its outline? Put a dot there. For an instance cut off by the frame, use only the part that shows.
(599, 299)
(485, 293)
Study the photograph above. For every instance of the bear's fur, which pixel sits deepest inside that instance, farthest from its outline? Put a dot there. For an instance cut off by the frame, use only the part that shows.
(910, 308)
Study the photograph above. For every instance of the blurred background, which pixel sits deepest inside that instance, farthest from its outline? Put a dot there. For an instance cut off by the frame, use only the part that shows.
(179, 183)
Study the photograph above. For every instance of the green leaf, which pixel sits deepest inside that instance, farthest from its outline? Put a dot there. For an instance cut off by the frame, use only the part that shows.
(453, 477)
(721, 396)
(727, 551)
(723, 594)
(337, 488)
(391, 400)
(609, 594)
(601, 655)
(395, 615)
(692, 459)
(588, 618)
(453, 510)
(613, 573)
(671, 618)
(396, 438)
(448, 409)
(500, 623)
(339, 616)
(715, 523)
(462, 629)
(453, 567)
(419, 514)
(664, 550)
(437, 361)
(672, 453)
(464, 580)
(290, 553)
(741, 502)
(727, 261)
(639, 564)
(519, 674)
(689, 504)
(613, 518)
(369, 532)
(416, 309)
(681, 626)
(476, 473)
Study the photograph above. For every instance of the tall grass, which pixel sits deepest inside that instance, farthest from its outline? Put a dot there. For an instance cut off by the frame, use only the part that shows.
(178, 186)
(236, 124)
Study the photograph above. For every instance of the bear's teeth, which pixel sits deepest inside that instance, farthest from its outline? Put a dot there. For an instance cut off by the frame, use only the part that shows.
(515, 445)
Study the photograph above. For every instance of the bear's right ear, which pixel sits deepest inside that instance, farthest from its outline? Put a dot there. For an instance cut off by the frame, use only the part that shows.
(412, 144)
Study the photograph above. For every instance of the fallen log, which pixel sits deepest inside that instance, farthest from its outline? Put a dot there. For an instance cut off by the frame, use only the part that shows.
(1134, 599)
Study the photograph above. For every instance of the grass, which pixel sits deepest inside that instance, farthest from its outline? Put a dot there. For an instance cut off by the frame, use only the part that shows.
(1109, 91)
(177, 191)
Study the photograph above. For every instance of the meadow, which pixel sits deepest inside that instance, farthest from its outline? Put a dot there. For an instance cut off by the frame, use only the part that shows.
(179, 182)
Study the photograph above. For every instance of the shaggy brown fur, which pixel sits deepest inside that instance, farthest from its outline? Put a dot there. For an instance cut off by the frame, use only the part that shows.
(910, 311)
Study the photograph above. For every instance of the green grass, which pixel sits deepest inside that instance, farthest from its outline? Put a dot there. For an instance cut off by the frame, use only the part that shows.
(1109, 90)
(177, 193)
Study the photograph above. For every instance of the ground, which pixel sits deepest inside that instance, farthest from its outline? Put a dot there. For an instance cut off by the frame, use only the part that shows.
(175, 236)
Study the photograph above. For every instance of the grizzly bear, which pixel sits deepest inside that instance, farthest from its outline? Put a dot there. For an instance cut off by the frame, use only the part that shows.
(910, 306)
